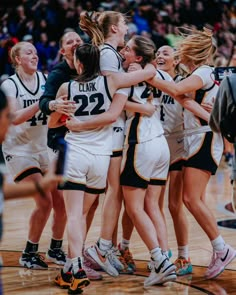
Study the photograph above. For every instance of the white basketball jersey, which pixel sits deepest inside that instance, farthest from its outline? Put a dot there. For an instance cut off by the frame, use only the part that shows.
(31, 136)
(206, 94)
(111, 60)
(171, 111)
(140, 128)
(92, 98)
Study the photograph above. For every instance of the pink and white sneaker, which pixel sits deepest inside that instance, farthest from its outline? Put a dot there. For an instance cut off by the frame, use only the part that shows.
(219, 260)
(89, 262)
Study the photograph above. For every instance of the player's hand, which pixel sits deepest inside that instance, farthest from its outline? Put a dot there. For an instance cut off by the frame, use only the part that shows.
(134, 67)
(73, 123)
(50, 180)
(62, 106)
(207, 106)
(149, 109)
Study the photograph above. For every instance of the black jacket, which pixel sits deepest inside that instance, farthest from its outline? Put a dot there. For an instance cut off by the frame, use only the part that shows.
(60, 74)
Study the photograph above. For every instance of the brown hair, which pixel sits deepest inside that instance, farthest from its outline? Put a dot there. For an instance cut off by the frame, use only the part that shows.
(97, 25)
(144, 47)
(89, 56)
(64, 34)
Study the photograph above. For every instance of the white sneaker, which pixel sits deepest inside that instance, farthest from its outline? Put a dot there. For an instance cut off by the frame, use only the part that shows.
(219, 260)
(113, 256)
(169, 278)
(160, 271)
(103, 259)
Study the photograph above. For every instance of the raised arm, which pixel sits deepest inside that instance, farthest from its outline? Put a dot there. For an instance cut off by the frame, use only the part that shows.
(122, 80)
(187, 85)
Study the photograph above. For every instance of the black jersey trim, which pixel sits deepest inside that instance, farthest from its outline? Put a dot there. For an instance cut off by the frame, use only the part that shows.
(133, 130)
(119, 57)
(17, 92)
(45, 78)
(106, 88)
(37, 89)
(163, 78)
(69, 90)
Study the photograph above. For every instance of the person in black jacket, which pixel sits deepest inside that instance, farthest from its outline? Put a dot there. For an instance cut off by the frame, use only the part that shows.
(61, 73)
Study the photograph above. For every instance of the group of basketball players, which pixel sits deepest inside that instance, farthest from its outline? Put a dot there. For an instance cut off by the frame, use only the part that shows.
(128, 126)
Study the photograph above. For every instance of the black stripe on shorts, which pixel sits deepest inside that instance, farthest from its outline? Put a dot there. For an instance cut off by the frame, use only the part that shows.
(203, 159)
(129, 177)
(157, 182)
(116, 154)
(27, 172)
(72, 186)
(177, 166)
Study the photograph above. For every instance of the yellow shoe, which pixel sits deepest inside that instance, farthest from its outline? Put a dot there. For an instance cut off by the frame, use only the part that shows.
(79, 281)
(63, 280)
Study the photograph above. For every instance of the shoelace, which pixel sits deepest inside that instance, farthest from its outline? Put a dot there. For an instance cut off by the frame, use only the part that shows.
(37, 256)
(60, 253)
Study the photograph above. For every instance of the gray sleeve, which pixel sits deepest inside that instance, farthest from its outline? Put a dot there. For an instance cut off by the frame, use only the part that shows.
(220, 107)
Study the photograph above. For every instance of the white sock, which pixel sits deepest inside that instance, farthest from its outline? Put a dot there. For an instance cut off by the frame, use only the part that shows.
(77, 264)
(183, 251)
(67, 265)
(104, 245)
(124, 244)
(218, 244)
(156, 254)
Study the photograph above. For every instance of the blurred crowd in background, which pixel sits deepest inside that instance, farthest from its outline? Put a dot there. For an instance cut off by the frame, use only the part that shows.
(42, 22)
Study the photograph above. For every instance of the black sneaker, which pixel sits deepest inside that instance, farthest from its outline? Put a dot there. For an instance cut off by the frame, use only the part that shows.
(79, 282)
(33, 260)
(57, 256)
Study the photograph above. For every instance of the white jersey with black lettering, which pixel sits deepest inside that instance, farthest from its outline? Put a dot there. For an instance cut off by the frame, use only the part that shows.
(31, 136)
(92, 98)
(140, 128)
(111, 60)
(171, 111)
(206, 94)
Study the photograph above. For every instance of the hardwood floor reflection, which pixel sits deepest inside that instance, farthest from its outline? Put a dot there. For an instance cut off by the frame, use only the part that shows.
(17, 280)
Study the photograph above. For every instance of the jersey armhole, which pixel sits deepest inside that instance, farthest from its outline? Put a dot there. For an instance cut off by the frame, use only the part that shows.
(131, 93)
(116, 54)
(17, 92)
(69, 90)
(160, 73)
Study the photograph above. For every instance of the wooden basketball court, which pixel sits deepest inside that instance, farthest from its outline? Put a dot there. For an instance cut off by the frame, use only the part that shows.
(17, 280)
